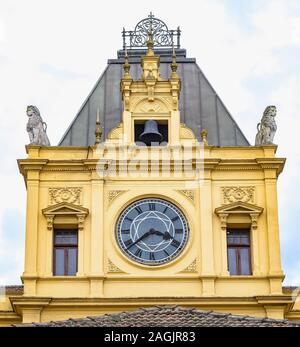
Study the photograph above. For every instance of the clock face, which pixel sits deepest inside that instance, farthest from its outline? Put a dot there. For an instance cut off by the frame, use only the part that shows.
(152, 231)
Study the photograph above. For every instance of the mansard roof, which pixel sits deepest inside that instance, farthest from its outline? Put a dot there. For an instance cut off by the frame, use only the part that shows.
(200, 106)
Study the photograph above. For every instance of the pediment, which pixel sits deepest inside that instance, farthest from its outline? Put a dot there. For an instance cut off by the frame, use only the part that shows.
(239, 207)
(65, 208)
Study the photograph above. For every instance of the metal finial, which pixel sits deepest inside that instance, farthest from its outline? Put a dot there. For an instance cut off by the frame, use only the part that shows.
(98, 131)
(204, 137)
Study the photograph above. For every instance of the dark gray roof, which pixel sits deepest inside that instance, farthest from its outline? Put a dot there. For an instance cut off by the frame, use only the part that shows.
(170, 316)
(200, 106)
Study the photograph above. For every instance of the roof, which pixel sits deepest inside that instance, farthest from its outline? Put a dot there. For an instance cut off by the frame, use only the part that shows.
(169, 316)
(200, 106)
(13, 289)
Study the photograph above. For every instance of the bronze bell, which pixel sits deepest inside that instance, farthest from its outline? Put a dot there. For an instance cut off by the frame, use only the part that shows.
(151, 133)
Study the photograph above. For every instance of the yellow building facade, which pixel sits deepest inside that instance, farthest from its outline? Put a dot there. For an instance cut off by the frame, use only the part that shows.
(213, 190)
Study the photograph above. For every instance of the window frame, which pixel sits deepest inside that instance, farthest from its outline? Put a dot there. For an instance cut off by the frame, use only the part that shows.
(237, 248)
(65, 247)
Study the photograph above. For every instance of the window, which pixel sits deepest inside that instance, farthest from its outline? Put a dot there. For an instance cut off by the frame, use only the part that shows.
(238, 250)
(65, 252)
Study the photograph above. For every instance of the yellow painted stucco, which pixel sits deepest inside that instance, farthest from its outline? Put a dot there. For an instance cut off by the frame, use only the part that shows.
(107, 281)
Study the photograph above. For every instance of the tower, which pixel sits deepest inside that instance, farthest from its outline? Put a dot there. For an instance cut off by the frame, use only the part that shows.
(116, 222)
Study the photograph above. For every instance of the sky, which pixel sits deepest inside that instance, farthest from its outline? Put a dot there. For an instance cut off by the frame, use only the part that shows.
(53, 51)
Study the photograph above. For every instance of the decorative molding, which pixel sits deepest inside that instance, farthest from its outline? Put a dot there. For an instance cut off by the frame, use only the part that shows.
(111, 267)
(186, 133)
(188, 193)
(65, 209)
(238, 193)
(50, 219)
(192, 268)
(112, 194)
(154, 106)
(70, 195)
(239, 207)
(116, 132)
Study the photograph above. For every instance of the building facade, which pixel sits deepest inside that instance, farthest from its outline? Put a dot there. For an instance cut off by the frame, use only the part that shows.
(158, 200)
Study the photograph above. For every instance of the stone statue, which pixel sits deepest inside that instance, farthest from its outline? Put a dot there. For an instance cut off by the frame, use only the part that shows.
(266, 129)
(36, 128)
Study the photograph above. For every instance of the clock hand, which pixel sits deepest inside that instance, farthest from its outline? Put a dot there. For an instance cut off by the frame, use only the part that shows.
(140, 238)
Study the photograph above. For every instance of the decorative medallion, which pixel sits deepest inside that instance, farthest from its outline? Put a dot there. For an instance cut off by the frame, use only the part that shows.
(234, 194)
(192, 268)
(66, 194)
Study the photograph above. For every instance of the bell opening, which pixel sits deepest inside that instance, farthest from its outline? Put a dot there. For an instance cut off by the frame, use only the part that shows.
(151, 132)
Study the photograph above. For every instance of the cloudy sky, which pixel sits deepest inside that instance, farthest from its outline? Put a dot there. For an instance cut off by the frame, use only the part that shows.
(53, 51)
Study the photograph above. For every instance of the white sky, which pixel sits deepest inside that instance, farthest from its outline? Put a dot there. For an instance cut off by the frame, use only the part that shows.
(52, 53)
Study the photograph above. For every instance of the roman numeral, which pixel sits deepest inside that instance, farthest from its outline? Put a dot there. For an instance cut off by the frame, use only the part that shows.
(128, 243)
(151, 206)
(139, 210)
(175, 243)
(130, 220)
(125, 231)
(165, 210)
(166, 253)
(175, 219)
(138, 253)
(178, 231)
(151, 256)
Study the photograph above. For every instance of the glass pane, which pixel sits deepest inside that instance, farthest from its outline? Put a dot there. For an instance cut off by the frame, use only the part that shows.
(72, 261)
(238, 237)
(245, 261)
(59, 262)
(232, 264)
(66, 237)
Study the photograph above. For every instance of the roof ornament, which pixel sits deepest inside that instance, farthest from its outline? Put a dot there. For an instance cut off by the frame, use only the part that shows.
(161, 35)
(126, 66)
(266, 129)
(204, 137)
(98, 131)
(36, 127)
(174, 65)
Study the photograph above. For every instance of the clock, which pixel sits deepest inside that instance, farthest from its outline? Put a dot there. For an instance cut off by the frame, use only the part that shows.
(152, 231)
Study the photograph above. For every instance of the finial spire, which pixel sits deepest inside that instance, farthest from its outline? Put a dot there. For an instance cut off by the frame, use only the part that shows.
(150, 42)
(98, 131)
(174, 65)
(126, 66)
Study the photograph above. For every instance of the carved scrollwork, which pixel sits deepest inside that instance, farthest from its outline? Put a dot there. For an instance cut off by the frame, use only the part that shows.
(71, 195)
(189, 194)
(111, 267)
(234, 194)
(112, 194)
(192, 268)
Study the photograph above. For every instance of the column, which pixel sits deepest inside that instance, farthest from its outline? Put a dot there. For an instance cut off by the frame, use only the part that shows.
(31, 237)
(207, 246)
(97, 236)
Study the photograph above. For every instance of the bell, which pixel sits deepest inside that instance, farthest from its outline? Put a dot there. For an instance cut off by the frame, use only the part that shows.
(151, 133)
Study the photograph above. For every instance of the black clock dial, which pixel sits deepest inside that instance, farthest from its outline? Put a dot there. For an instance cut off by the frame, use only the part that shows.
(152, 231)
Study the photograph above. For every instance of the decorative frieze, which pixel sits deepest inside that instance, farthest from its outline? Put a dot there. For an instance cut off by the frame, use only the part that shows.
(238, 193)
(70, 195)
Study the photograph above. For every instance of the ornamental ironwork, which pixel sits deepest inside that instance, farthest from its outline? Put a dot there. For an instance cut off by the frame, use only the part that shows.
(162, 36)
